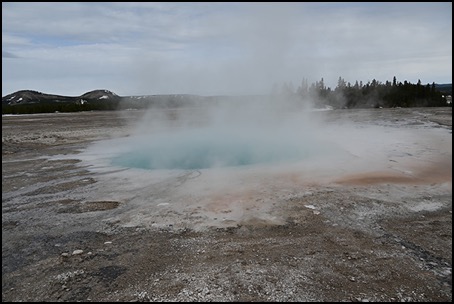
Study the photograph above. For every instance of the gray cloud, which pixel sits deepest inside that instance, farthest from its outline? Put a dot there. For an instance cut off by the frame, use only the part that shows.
(8, 55)
(220, 48)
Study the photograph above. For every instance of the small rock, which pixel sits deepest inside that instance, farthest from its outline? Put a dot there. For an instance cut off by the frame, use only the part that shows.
(108, 242)
(78, 251)
(65, 254)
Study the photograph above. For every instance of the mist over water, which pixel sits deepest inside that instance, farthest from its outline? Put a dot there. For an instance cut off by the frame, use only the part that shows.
(229, 134)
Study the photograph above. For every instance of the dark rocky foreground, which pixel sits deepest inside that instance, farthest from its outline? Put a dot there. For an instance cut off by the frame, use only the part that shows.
(362, 238)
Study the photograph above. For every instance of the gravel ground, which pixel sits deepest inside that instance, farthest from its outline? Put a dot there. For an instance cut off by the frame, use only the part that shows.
(76, 229)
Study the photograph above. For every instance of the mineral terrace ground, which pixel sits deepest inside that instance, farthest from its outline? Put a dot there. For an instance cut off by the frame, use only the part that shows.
(73, 232)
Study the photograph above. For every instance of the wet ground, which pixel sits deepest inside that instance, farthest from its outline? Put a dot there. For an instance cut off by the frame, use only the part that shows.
(371, 224)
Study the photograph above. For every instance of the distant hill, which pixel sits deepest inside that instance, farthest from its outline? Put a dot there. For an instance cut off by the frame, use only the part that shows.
(30, 97)
(32, 101)
(444, 88)
(28, 101)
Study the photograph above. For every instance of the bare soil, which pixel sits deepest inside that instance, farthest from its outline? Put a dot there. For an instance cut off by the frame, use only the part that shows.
(71, 233)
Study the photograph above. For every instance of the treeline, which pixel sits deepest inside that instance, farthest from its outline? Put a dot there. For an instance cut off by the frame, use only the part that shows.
(50, 107)
(370, 94)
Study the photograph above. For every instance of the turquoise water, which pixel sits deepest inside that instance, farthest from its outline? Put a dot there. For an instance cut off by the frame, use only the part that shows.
(202, 149)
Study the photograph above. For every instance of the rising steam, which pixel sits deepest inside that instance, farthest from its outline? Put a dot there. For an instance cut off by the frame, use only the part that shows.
(231, 133)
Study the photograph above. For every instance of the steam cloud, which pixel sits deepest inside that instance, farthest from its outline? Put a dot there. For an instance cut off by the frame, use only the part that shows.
(234, 132)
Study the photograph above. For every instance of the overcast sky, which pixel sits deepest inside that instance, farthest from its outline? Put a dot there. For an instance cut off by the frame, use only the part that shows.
(70, 48)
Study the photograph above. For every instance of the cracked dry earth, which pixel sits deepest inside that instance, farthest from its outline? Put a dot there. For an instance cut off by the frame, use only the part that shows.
(347, 229)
